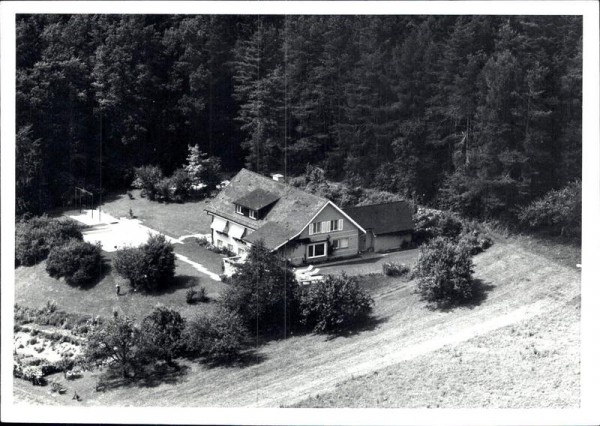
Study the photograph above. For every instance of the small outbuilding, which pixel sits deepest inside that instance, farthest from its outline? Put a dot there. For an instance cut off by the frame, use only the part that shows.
(388, 226)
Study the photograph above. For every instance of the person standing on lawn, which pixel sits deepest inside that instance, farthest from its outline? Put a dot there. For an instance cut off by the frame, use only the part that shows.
(118, 289)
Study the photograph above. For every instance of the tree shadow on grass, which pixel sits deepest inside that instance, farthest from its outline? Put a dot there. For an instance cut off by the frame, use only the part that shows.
(480, 292)
(149, 376)
(104, 270)
(247, 358)
(179, 282)
(370, 324)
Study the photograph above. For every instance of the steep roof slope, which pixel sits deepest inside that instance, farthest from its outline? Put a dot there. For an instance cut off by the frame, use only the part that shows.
(287, 216)
(384, 218)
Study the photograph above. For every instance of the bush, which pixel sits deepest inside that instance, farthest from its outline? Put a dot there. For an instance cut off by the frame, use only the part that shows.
(475, 243)
(335, 305)
(77, 261)
(130, 264)
(149, 267)
(445, 272)
(161, 334)
(203, 241)
(220, 336)
(163, 190)
(557, 213)
(179, 185)
(262, 291)
(37, 236)
(431, 223)
(147, 178)
(192, 296)
(392, 269)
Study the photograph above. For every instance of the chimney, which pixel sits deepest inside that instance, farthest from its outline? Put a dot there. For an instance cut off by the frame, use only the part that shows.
(278, 177)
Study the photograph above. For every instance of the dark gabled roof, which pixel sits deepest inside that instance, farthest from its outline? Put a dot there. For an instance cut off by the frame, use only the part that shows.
(384, 218)
(257, 199)
(271, 234)
(288, 216)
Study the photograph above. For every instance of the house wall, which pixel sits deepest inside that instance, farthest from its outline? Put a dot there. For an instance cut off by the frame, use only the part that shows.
(386, 242)
(227, 240)
(366, 241)
(298, 253)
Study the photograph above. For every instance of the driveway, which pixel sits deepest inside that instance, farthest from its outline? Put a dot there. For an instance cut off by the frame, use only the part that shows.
(369, 263)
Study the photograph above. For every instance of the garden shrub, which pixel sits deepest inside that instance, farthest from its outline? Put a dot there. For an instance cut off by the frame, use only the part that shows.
(445, 272)
(475, 243)
(163, 190)
(220, 336)
(203, 241)
(334, 305)
(147, 178)
(557, 213)
(179, 186)
(192, 296)
(149, 267)
(161, 334)
(392, 269)
(78, 262)
(35, 238)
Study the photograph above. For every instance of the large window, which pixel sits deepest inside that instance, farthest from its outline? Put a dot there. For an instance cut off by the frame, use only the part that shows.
(326, 226)
(317, 250)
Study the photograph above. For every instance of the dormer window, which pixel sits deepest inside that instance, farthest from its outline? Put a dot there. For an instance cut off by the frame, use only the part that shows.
(255, 204)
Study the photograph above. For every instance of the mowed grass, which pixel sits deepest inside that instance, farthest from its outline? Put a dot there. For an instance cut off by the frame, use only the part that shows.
(34, 287)
(172, 219)
(519, 346)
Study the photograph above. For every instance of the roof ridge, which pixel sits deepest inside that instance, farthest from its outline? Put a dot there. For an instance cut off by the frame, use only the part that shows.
(380, 203)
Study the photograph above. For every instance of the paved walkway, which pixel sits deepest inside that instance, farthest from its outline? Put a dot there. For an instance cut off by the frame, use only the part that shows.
(198, 267)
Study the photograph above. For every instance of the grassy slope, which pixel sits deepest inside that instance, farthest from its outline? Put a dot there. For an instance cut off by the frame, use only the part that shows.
(532, 364)
(415, 346)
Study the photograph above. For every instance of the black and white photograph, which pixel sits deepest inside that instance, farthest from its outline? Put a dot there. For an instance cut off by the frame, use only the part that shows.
(296, 208)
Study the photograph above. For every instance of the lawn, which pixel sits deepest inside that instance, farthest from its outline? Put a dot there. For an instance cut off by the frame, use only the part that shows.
(519, 346)
(34, 287)
(172, 219)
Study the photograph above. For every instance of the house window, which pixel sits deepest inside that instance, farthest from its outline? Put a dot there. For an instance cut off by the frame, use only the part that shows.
(326, 226)
(337, 224)
(315, 228)
(317, 250)
(339, 243)
(230, 247)
(239, 209)
(219, 243)
(253, 214)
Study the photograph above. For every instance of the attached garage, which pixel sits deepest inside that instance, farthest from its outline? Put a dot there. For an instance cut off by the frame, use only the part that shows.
(388, 226)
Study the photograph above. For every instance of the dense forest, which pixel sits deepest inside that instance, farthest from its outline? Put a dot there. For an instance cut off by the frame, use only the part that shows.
(479, 114)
